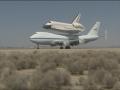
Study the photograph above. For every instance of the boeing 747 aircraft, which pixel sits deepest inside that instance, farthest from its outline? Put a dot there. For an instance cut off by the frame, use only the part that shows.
(73, 27)
(65, 41)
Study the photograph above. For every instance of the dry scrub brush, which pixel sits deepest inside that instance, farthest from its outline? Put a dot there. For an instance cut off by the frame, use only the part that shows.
(51, 80)
(103, 72)
(6, 69)
(16, 82)
(103, 69)
(23, 60)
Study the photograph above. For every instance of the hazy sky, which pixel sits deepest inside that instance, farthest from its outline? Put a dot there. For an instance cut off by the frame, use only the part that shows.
(20, 19)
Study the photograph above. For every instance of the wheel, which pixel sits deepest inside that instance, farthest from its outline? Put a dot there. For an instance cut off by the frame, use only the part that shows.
(38, 46)
(61, 47)
(67, 47)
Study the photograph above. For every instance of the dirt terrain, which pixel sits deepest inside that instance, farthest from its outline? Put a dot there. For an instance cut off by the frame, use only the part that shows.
(60, 69)
(60, 50)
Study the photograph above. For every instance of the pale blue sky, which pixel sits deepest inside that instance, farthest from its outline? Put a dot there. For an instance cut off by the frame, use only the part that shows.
(20, 19)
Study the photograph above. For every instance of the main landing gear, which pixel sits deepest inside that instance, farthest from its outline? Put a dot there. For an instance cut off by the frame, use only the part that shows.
(38, 47)
(61, 47)
(66, 47)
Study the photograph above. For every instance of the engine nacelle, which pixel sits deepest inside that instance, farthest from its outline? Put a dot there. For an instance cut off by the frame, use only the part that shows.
(77, 25)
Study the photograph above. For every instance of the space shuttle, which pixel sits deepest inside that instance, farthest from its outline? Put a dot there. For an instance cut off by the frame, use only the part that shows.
(73, 27)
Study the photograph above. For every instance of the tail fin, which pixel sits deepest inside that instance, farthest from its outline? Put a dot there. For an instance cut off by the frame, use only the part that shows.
(95, 29)
(77, 19)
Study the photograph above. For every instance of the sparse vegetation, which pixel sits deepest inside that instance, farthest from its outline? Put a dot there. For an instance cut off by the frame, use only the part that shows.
(117, 86)
(53, 69)
(23, 60)
(16, 82)
(51, 80)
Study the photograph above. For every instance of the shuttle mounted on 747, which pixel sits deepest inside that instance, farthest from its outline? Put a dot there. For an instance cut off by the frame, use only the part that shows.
(65, 41)
(72, 28)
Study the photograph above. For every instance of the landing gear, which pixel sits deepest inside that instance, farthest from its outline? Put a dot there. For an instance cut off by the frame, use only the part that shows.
(61, 47)
(67, 47)
(38, 46)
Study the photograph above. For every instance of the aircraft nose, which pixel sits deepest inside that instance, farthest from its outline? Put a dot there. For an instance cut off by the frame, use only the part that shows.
(32, 38)
(47, 26)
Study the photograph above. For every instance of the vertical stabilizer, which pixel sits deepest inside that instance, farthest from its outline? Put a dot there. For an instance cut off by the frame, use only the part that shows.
(95, 29)
(77, 19)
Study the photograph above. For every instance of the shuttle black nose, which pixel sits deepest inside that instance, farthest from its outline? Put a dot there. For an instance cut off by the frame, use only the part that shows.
(47, 26)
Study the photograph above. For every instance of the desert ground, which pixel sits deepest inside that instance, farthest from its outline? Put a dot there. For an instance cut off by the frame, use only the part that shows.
(60, 69)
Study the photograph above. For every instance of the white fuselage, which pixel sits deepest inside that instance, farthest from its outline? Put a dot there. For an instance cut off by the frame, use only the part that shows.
(64, 27)
(45, 38)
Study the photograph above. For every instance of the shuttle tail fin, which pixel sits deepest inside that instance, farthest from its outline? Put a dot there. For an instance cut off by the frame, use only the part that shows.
(95, 29)
(77, 19)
